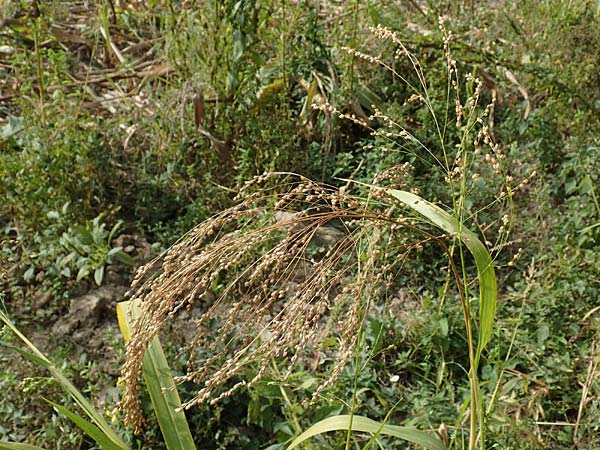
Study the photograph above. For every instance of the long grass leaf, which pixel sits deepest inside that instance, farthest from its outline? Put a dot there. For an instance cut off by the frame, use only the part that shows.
(16, 446)
(87, 427)
(39, 358)
(161, 387)
(362, 424)
(483, 260)
(30, 356)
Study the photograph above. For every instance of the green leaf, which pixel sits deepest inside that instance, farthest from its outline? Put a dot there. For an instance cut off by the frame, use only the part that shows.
(483, 260)
(30, 356)
(113, 231)
(113, 251)
(84, 235)
(239, 45)
(88, 428)
(443, 323)
(67, 259)
(586, 185)
(99, 275)
(376, 333)
(124, 258)
(161, 387)
(39, 358)
(367, 98)
(29, 274)
(570, 185)
(98, 235)
(306, 108)
(12, 127)
(84, 271)
(365, 425)
(16, 446)
(71, 243)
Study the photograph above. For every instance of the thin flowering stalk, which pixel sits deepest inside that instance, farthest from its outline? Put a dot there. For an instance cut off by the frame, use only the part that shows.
(383, 33)
(457, 165)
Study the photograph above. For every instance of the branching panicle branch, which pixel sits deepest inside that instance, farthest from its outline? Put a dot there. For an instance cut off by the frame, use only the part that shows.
(281, 278)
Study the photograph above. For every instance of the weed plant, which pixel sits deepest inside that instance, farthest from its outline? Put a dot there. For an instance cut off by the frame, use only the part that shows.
(274, 306)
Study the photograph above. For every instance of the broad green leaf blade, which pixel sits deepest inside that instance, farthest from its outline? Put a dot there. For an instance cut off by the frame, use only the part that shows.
(362, 424)
(39, 358)
(483, 260)
(88, 428)
(160, 384)
(123, 257)
(16, 446)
